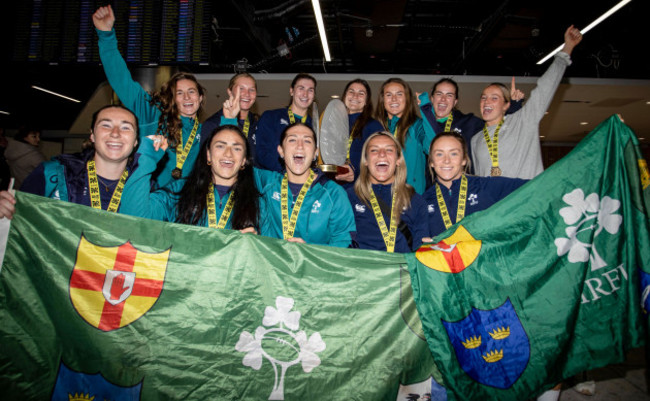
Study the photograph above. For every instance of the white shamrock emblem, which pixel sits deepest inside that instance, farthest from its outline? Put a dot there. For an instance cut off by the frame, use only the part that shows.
(582, 215)
(283, 347)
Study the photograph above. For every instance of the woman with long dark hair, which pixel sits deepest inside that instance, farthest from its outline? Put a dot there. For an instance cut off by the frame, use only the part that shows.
(397, 110)
(357, 98)
(172, 111)
(220, 191)
(389, 214)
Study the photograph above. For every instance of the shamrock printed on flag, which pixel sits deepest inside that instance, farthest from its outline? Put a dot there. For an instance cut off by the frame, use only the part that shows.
(544, 284)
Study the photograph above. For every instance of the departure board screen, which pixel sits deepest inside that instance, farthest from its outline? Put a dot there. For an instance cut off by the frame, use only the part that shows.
(148, 31)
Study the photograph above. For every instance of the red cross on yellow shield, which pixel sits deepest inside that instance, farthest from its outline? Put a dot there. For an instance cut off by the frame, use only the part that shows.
(451, 255)
(111, 287)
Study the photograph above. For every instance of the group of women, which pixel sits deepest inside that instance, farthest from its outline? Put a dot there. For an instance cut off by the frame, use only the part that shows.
(258, 175)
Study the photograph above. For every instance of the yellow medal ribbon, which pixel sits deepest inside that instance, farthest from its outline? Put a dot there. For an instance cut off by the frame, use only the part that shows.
(292, 118)
(493, 147)
(462, 199)
(450, 120)
(212, 210)
(388, 234)
(93, 188)
(247, 126)
(350, 139)
(289, 225)
(182, 152)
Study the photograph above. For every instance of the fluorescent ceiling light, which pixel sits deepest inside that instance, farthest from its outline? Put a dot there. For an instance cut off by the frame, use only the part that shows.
(588, 28)
(4, 112)
(55, 94)
(321, 29)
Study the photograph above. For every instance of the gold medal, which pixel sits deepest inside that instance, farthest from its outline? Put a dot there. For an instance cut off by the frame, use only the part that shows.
(176, 173)
(493, 148)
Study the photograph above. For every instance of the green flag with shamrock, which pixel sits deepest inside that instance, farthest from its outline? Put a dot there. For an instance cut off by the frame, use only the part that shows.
(95, 304)
(547, 283)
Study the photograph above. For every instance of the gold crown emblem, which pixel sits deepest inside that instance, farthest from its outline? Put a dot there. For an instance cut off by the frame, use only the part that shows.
(493, 356)
(500, 333)
(80, 397)
(472, 342)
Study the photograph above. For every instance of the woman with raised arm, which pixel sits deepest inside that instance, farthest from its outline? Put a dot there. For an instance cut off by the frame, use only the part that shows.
(172, 111)
(388, 213)
(245, 86)
(357, 98)
(273, 122)
(397, 110)
(441, 113)
(455, 194)
(509, 145)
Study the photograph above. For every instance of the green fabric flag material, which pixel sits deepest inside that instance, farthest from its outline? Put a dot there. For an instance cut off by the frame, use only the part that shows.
(547, 283)
(102, 305)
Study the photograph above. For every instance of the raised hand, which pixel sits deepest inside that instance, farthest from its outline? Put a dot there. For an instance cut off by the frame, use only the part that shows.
(572, 37)
(159, 142)
(104, 18)
(231, 107)
(515, 94)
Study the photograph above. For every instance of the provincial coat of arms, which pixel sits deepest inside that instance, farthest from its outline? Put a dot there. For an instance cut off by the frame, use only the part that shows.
(111, 287)
(491, 345)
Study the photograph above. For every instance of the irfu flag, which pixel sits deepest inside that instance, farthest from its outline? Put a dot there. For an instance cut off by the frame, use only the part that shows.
(546, 283)
(101, 305)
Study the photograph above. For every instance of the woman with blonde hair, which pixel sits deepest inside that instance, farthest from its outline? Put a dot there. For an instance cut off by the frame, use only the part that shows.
(508, 145)
(397, 110)
(389, 214)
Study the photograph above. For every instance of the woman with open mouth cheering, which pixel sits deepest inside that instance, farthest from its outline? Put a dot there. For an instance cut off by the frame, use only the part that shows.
(389, 215)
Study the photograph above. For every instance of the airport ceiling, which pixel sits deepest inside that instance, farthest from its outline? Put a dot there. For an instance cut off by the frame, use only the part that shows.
(459, 38)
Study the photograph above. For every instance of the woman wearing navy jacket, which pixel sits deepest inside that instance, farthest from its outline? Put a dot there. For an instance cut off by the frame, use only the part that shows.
(453, 190)
(273, 122)
(388, 213)
(358, 100)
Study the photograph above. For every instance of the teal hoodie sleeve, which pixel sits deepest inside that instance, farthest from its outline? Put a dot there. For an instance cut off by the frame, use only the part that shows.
(131, 94)
(138, 200)
(341, 224)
